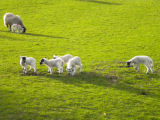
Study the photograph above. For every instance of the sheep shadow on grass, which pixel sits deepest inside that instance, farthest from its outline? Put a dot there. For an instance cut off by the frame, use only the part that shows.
(100, 2)
(37, 35)
(105, 80)
(41, 35)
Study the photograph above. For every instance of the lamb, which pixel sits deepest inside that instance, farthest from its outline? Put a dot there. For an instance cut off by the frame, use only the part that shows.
(53, 63)
(135, 61)
(72, 64)
(10, 19)
(17, 28)
(65, 58)
(28, 61)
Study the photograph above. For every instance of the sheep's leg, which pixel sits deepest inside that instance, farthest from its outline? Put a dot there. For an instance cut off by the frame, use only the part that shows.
(81, 66)
(30, 68)
(48, 70)
(35, 69)
(74, 71)
(10, 27)
(51, 70)
(151, 68)
(148, 68)
(25, 70)
(22, 68)
(60, 69)
(136, 67)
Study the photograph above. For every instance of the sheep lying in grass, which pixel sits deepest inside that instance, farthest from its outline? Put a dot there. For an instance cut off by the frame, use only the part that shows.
(135, 61)
(17, 28)
(10, 19)
(27, 61)
(53, 63)
(72, 64)
(65, 58)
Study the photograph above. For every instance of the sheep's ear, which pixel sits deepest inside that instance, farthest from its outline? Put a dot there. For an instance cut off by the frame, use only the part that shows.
(20, 56)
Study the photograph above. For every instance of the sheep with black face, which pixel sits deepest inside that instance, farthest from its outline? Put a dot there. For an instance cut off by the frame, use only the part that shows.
(137, 60)
(28, 61)
(53, 63)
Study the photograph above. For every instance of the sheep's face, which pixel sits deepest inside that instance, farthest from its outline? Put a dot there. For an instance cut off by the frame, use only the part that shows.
(129, 64)
(42, 61)
(24, 29)
(55, 57)
(69, 70)
(24, 59)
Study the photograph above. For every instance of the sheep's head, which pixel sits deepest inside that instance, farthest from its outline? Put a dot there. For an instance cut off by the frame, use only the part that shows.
(23, 59)
(69, 70)
(129, 63)
(42, 61)
(24, 29)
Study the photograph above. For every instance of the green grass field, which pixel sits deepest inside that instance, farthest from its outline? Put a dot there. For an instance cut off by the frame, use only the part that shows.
(104, 34)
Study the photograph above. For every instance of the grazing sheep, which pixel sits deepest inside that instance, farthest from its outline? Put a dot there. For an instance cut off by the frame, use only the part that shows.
(53, 63)
(135, 61)
(17, 28)
(65, 58)
(28, 61)
(10, 19)
(71, 65)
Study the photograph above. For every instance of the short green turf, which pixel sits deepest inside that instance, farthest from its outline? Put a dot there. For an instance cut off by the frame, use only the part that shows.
(104, 34)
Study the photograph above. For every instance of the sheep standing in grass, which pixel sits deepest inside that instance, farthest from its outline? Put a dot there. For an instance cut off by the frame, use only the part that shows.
(137, 60)
(28, 61)
(53, 63)
(17, 28)
(65, 58)
(10, 19)
(72, 64)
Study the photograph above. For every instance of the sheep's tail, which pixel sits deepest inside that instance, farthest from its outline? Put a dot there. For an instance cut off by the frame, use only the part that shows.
(4, 17)
(151, 62)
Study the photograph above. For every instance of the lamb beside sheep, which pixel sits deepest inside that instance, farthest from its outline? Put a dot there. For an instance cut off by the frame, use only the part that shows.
(72, 64)
(27, 61)
(65, 58)
(53, 63)
(17, 28)
(137, 60)
(10, 19)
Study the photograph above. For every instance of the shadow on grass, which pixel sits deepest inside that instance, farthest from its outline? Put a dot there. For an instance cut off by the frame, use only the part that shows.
(100, 2)
(41, 35)
(108, 80)
(37, 35)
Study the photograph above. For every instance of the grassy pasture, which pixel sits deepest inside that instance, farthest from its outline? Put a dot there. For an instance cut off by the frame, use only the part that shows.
(104, 34)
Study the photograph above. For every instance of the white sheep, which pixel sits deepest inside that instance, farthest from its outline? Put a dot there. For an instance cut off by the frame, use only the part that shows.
(28, 61)
(10, 19)
(65, 58)
(72, 65)
(17, 28)
(53, 63)
(137, 60)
